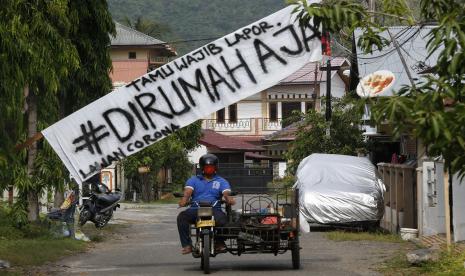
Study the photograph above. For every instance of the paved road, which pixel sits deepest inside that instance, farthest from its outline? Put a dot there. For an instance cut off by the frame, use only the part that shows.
(150, 246)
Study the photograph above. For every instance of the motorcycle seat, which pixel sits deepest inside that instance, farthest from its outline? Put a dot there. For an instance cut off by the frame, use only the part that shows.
(205, 204)
(109, 198)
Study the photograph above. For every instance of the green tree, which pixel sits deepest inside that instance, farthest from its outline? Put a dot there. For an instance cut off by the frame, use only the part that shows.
(171, 152)
(36, 54)
(90, 34)
(48, 49)
(432, 109)
(345, 134)
(148, 27)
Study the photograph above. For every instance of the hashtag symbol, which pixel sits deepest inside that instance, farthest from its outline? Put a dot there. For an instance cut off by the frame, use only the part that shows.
(90, 138)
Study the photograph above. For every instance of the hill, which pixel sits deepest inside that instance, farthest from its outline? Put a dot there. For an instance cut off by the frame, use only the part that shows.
(197, 21)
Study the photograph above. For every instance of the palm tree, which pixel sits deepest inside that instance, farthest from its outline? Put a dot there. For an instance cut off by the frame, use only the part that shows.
(147, 26)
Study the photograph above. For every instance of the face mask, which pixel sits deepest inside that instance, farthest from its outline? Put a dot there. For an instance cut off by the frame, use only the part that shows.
(209, 169)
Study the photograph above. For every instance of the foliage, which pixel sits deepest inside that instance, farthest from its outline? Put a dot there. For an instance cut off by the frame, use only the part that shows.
(171, 152)
(345, 16)
(448, 263)
(28, 252)
(432, 109)
(92, 28)
(285, 182)
(59, 49)
(147, 26)
(345, 134)
(363, 236)
(34, 52)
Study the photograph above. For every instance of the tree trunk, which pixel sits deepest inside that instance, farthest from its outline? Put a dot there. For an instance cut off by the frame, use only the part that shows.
(10, 195)
(59, 194)
(58, 198)
(33, 205)
(32, 195)
(146, 188)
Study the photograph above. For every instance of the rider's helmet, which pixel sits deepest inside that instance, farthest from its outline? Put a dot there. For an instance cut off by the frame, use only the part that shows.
(208, 164)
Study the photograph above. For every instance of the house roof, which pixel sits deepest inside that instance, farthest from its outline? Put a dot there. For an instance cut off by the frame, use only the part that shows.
(250, 138)
(211, 138)
(412, 40)
(285, 134)
(126, 36)
(252, 155)
(306, 74)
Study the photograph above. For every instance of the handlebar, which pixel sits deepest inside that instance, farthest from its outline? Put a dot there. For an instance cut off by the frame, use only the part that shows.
(190, 202)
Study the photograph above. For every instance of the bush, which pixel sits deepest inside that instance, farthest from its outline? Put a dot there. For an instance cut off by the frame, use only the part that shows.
(14, 224)
(286, 182)
(8, 232)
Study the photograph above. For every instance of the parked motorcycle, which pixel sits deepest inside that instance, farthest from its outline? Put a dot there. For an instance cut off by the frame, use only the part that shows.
(100, 205)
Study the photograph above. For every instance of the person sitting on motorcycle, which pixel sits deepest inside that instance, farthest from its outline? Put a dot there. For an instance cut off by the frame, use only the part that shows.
(208, 187)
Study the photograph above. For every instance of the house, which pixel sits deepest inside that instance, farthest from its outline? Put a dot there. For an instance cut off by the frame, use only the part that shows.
(259, 116)
(133, 54)
(416, 194)
(251, 136)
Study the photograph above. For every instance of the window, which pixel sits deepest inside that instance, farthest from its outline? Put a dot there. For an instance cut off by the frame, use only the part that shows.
(220, 116)
(308, 106)
(132, 55)
(273, 112)
(233, 113)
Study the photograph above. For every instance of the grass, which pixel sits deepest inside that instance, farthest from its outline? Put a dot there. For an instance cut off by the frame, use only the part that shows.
(447, 264)
(32, 252)
(36, 244)
(363, 236)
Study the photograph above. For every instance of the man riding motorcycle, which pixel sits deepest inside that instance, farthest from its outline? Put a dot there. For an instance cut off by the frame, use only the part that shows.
(208, 187)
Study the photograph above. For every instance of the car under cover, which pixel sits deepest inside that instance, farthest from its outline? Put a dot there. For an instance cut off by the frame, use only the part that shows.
(339, 189)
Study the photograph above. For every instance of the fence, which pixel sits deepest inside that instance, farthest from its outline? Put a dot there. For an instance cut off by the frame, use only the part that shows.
(246, 177)
(400, 198)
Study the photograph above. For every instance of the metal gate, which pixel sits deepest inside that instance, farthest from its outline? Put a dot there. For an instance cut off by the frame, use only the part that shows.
(246, 178)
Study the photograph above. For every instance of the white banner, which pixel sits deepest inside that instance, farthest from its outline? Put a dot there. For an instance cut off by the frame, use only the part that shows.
(175, 95)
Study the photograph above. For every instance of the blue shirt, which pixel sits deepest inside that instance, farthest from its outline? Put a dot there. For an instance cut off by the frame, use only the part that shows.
(207, 190)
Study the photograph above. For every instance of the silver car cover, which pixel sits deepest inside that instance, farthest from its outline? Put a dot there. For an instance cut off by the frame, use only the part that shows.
(339, 189)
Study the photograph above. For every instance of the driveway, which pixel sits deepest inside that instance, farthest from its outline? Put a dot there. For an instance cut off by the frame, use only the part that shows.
(150, 246)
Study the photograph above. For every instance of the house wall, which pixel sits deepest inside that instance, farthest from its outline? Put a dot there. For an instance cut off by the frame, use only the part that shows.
(338, 87)
(125, 69)
(253, 112)
(249, 109)
(458, 205)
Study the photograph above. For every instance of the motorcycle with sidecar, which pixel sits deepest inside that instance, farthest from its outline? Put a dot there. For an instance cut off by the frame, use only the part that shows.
(267, 223)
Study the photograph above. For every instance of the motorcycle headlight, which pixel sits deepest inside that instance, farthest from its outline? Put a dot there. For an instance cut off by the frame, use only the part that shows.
(205, 212)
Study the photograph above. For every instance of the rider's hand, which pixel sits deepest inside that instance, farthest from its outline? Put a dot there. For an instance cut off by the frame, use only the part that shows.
(231, 201)
(182, 202)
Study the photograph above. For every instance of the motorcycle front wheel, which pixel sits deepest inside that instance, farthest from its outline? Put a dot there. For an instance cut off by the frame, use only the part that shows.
(205, 258)
(84, 216)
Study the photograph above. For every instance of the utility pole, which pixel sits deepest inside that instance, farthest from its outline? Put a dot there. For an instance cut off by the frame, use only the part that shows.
(407, 70)
(328, 90)
(328, 69)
